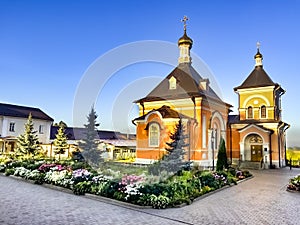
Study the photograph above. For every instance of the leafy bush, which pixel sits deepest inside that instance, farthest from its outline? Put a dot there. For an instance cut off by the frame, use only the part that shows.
(2, 168)
(82, 187)
(294, 184)
(9, 171)
(205, 190)
(246, 173)
(208, 179)
(159, 202)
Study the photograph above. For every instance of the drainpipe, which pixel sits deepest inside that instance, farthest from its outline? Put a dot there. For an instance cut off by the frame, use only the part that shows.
(189, 150)
(270, 150)
(287, 126)
(279, 144)
(142, 104)
(230, 142)
(193, 100)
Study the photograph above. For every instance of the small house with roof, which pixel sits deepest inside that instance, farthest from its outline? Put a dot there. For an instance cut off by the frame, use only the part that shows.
(12, 121)
(118, 146)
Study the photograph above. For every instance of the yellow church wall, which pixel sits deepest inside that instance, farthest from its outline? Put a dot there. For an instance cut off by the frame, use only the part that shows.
(256, 98)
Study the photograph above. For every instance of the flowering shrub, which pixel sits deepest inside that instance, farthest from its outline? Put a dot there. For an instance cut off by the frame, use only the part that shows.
(21, 171)
(294, 184)
(130, 185)
(46, 167)
(80, 175)
(61, 178)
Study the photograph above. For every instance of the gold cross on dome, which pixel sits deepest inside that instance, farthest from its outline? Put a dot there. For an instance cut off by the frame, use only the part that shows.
(185, 18)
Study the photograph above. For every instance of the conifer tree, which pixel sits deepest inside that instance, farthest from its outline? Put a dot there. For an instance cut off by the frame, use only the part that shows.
(28, 142)
(60, 141)
(173, 160)
(89, 145)
(222, 162)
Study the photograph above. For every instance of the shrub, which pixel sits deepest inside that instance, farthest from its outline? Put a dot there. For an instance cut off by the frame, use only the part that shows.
(205, 190)
(208, 179)
(82, 187)
(2, 168)
(159, 202)
(9, 171)
(246, 173)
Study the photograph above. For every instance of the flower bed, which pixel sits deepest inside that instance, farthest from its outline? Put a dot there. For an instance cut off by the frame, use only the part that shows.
(294, 184)
(145, 190)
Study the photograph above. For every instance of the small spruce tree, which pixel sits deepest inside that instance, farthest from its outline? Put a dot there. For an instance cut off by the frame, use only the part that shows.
(222, 162)
(173, 160)
(88, 144)
(28, 142)
(60, 141)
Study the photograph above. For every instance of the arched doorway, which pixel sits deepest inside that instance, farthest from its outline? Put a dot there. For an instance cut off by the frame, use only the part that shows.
(254, 148)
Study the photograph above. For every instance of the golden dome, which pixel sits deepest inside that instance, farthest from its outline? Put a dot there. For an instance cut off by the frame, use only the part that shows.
(185, 40)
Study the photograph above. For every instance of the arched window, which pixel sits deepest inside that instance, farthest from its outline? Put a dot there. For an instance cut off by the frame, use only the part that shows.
(154, 135)
(263, 112)
(250, 112)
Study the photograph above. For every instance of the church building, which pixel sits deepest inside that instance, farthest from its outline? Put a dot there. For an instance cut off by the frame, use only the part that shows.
(254, 137)
(183, 94)
(257, 135)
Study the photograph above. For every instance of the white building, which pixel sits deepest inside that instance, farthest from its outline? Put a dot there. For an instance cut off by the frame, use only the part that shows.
(12, 121)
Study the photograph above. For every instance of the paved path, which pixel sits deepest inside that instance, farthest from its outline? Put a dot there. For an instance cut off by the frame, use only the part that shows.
(261, 200)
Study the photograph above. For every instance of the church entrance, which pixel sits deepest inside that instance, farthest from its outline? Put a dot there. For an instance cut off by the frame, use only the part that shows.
(256, 153)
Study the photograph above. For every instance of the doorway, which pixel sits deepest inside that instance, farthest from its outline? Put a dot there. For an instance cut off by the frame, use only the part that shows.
(256, 153)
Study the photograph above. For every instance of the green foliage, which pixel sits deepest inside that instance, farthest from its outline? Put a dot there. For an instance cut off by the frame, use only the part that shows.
(9, 171)
(208, 179)
(173, 160)
(28, 143)
(60, 141)
(82, 187)
(222, 162)
(60, 124)
(89, 145)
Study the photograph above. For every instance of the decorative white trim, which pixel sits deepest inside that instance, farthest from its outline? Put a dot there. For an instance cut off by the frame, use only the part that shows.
(256, 96)
(254, 126)
(260, 89)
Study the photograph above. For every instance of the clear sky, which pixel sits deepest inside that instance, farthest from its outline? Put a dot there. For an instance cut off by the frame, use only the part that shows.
(46, 48)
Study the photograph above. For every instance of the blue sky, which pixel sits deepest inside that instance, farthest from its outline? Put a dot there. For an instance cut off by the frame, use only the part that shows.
(46, 47)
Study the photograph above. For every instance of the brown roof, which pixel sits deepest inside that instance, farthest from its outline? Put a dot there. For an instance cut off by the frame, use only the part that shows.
(257, 78)
(23, 112)
(165, 111)
(188, 80)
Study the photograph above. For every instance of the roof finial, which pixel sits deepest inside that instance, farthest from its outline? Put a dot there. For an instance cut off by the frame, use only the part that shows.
(258, 56)
(257, 45)
(185, 18)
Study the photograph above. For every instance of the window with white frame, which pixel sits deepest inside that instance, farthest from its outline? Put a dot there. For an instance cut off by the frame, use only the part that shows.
(41, 129)
(154, 134)
(250, 112)
(172, 83)
(12, 126)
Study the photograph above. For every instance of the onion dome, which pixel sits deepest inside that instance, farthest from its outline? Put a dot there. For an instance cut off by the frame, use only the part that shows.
(185, 40)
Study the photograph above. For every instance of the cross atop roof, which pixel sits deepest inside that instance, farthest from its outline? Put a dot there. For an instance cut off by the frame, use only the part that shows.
(185, 18)
(258, 45)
